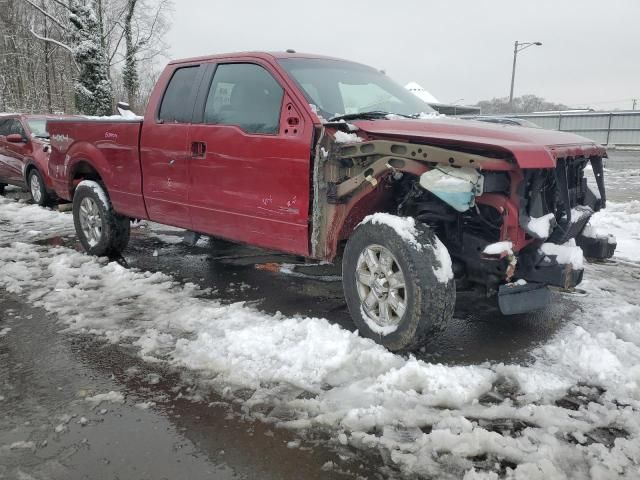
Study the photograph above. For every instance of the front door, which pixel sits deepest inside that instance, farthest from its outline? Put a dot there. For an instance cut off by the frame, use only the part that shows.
(250, 165)
(164, 150)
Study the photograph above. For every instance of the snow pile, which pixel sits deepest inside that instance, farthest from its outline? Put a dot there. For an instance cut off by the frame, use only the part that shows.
(444, 272)
(592, 232)
(499, 248)
(621, 220)
(123, 117)
(19, 222)
(20, 445)
(427, 419)
(541, 227)
(113, 397)
(577, 214)
(567, 254)
(430, 115)
(383, 330)
(405, 227)
(98, 190)
(344, 137)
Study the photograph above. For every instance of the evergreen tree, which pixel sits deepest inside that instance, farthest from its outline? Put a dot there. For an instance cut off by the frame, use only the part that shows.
(93, 92)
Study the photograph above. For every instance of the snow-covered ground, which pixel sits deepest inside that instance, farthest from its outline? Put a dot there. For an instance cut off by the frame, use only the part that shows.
(572, 411)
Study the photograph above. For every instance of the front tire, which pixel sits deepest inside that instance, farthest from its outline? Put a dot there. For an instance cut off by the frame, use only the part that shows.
(37, 188)
(398, 292)
(2, 186)
(101, 231)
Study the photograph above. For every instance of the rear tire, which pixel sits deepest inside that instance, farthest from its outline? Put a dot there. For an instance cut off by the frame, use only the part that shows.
(405, 301)
(2, 185)
(37, 188)
(101, 231)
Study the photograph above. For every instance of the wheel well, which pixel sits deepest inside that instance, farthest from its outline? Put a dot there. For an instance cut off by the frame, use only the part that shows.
(378, 200)
(28, 170)
(83, 171)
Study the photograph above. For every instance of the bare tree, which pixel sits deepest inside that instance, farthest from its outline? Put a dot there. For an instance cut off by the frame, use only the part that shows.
(130, 70)
(523, 104)
(143, 29)
(83, 39)
(50, 53)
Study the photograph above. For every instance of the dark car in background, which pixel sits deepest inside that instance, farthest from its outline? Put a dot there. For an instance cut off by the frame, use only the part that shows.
(24, 155)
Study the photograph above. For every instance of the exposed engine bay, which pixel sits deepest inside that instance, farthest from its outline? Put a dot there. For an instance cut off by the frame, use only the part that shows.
(494, 217)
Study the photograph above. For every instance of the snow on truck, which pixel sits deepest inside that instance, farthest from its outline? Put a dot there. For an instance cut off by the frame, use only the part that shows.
(329, 159)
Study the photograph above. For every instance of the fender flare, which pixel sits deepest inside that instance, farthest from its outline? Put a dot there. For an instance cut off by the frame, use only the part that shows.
(86, 153)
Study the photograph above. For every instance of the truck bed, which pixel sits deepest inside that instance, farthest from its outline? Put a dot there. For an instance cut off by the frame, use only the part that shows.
(112, 144)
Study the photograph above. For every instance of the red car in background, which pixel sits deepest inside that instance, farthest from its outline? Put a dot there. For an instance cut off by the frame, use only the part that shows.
(24, 155)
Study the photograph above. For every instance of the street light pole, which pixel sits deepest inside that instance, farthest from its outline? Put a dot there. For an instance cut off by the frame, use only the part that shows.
(518, 47)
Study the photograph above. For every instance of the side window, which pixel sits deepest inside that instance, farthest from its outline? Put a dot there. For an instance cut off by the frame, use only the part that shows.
(4, 127)
(16, 127)
(245, 95)
(11, 126)
(175, 107)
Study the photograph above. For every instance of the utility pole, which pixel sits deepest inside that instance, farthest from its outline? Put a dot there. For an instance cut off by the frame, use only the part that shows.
(635, 101)
(513, 73)
(518, 47)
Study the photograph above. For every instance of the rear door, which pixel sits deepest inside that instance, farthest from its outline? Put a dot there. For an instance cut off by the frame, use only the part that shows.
(250, 161)
(164, 149)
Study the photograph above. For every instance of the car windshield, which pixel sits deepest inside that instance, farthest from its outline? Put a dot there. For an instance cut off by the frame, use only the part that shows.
(337, 87)
(38, 127)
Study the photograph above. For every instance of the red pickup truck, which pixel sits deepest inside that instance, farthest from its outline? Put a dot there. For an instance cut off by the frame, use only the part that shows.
(330, 159)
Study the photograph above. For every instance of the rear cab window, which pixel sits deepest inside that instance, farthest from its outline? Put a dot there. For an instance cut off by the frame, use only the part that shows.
(177, 101)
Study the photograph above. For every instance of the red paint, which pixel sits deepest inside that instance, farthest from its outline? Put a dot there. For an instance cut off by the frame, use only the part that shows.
(530, 147)
(16, 158)
(255, 188)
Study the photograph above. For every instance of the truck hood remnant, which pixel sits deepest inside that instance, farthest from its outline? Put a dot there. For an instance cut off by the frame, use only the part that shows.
(531, 147)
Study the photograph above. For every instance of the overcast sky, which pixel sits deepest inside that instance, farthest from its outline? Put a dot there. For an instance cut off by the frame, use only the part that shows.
(455, 49)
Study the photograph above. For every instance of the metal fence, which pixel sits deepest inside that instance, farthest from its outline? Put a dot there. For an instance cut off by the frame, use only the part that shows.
(607, 128)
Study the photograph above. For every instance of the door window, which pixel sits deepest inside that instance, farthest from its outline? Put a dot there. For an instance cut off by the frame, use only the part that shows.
(4, 127)
(10, 127)
(245, 95)
(175, 106)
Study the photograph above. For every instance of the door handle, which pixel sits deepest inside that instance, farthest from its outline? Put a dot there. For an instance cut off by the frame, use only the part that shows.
(198, 149)
(172, 161)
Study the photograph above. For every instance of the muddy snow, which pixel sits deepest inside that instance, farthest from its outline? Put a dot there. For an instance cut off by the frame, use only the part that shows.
(571, 411)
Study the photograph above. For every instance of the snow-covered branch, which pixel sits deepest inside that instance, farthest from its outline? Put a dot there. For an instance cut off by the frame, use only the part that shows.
(55, 42)
(48, 15)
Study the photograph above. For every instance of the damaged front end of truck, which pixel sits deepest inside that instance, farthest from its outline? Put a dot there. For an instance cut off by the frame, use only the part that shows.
(513, 212)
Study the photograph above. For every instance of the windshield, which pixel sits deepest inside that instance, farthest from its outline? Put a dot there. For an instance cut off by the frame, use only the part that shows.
(338, 87)
(38, 127)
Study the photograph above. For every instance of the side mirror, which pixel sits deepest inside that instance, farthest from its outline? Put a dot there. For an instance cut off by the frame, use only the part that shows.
(16, 138)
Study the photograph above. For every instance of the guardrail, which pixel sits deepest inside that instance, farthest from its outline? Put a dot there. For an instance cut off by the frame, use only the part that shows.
(607, 128)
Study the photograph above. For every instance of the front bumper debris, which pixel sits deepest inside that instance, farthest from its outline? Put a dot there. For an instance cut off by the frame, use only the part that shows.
(538, 267)
(514, 298)
(599, 248)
